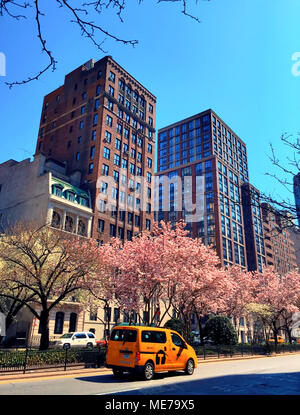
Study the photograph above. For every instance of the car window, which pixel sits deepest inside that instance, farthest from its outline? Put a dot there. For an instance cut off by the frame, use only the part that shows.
(91, 336)
(123, 335)
(151, 336)
(66, 336)
(177, 340)
(80, 336)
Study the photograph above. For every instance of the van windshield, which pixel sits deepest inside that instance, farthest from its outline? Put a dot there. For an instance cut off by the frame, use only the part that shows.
(123, 335)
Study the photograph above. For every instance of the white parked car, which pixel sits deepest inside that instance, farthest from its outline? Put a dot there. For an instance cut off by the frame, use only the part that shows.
(77, 339)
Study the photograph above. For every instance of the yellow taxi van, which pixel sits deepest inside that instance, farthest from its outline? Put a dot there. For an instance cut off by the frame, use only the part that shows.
(279, 339)
(148, 350)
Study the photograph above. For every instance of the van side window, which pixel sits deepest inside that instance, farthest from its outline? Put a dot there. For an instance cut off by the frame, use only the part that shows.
(154, 336)
(124, 335)
(177, 340)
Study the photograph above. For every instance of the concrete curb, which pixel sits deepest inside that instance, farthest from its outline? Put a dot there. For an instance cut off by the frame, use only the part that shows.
(50, 373)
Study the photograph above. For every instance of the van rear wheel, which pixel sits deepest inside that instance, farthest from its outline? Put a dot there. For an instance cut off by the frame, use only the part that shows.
(190, 366)
(148, 372)
(118, 372)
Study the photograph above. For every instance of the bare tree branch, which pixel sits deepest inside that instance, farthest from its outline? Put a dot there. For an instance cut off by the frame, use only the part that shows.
(80, 16)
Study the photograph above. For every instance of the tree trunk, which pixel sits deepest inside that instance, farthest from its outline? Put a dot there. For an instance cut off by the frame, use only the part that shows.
(44, 325)
(200, 327)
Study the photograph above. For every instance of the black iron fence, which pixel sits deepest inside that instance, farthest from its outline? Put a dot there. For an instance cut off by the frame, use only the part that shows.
(32, 359)
(16, 360)
(244, 349)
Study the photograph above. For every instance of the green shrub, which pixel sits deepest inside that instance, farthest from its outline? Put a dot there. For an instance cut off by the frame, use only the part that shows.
(175, 324)
(220, 330)
(36, 358)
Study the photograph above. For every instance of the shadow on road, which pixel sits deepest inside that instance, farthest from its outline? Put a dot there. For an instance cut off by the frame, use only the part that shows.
(126, 378)
(254, 384)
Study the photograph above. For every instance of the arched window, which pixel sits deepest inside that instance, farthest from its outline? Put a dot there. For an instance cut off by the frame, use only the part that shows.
(55, 220)
(57, 190)
(81, 228)
(59, 322)
(73, 322)
(69, 224)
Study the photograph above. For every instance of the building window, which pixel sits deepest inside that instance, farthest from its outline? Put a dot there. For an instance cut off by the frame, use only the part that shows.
(97, 102)
(101, 225)
(69, 225)
(92, 152)
(93, 315)
(109, 121)
(107, 137)
(59, 322)
(102, 206)
(112, 230)
(112, 76)
(105, 169)
(103, 187)
(117, 160)
(119, 128)
(72, 322)
(106, 153)
(55, 220)
(118, 144)
(91, 168)
(95, 120)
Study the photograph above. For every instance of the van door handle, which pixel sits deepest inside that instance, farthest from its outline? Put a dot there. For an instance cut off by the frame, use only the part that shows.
(165, 348)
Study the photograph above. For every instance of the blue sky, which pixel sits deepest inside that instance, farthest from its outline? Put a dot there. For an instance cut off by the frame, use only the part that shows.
(237, 61)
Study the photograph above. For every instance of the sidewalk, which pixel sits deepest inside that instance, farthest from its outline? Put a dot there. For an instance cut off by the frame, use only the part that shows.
(81, 371)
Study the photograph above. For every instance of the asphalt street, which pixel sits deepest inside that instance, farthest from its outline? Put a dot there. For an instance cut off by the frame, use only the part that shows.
(278, 375)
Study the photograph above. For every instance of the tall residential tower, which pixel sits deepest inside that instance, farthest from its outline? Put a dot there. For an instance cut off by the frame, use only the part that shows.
(101, 124)
(201, 166)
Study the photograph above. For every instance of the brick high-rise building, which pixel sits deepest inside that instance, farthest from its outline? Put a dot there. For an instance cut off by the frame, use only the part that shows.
(280, 250)
(101, 123)
(254, 234)
(296, 188)
(202, 162)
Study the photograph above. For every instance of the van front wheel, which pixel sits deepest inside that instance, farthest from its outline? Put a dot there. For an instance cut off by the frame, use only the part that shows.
(190, 366)
(148, 371)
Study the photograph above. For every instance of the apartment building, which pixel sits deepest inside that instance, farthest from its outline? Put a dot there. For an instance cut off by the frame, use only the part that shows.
(201, 166)
(280, 248)
(101, 123)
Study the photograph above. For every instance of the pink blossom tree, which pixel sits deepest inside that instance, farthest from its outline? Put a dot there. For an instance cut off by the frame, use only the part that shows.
(100, 290)
(242, 285)
(50, 266)
(280, 293)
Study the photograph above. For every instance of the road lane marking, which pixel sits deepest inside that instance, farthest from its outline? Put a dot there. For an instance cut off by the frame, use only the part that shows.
(118, 391)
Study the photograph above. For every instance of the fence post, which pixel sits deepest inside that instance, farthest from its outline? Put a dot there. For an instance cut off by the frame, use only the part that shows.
(251, 349)
(204, 352)
(25, 360)
(66, 358)
(242, 350)
(218, 351)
